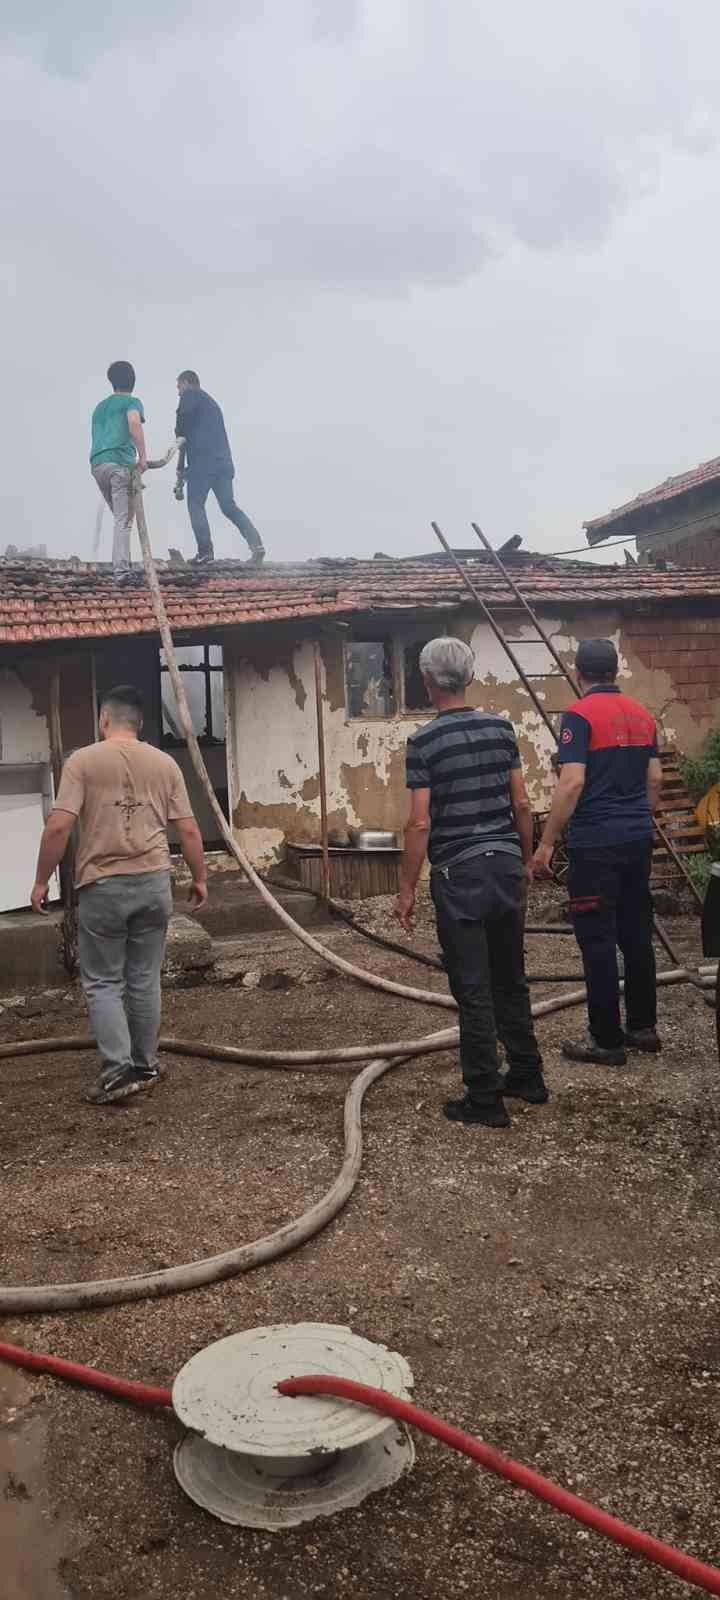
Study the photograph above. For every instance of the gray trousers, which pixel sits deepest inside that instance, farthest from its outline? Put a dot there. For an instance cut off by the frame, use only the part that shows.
(199, 484)
(115, 485)
(122, 927)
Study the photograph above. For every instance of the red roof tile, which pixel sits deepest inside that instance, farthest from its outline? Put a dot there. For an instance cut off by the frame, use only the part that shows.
(707, 472)
(70, 600)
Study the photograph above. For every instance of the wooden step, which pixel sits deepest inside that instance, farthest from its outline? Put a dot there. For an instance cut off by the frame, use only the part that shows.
(661, 854)
(681, 846)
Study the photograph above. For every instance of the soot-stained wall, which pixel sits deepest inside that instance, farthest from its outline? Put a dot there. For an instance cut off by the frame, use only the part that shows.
(670, 660)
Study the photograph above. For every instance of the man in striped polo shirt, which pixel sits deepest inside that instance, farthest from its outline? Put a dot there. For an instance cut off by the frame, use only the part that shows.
(470, 812)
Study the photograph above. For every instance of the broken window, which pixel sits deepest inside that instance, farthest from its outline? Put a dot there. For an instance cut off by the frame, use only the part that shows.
(383, 677)
(369, 686)
(201, 666)
(414, 692)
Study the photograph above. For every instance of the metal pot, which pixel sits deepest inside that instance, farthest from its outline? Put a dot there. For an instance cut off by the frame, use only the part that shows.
(372, 839)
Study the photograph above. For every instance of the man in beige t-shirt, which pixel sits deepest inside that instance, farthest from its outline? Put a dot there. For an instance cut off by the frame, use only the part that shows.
(122, 793)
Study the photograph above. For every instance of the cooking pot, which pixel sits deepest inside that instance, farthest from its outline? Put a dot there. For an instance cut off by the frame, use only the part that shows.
(371, 839)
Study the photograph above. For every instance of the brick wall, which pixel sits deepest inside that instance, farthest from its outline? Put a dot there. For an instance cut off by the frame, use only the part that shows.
(698, 549)
(687, 648)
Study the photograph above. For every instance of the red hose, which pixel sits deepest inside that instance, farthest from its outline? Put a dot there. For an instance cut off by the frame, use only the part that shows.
(640, 1544)
(142, 1394)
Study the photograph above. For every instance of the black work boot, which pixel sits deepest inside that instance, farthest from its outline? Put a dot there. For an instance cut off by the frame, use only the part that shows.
(489, 1114)
(588, 1049)
(646, 1040)
(524, 1085)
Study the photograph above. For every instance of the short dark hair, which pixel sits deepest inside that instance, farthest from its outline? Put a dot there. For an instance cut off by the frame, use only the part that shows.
(189, 377)
(597, 661)
(125, 704)
(121, 375)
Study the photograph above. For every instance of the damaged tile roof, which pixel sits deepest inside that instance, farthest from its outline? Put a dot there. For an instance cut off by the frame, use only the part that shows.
(44, 601)
(707, 472)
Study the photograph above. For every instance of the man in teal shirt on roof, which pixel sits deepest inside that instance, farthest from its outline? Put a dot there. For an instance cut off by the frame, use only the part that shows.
(118, 446)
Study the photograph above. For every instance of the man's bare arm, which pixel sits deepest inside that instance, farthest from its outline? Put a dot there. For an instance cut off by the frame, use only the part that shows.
(135, 429)
(53, 845)
(654, 783)
(417, 829)
(192, 848)
(522, 814)
(569, 789)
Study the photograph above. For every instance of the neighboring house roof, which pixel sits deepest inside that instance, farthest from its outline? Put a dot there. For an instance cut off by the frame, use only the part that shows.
(43, 601)
(707, 472)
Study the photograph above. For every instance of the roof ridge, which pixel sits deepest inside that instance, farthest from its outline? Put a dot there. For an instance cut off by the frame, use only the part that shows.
(677, 483)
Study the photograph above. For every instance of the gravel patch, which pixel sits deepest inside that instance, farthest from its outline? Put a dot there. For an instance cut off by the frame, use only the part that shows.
(554, 1287)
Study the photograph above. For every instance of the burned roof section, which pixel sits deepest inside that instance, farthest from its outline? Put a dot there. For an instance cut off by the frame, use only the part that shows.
(46, 601)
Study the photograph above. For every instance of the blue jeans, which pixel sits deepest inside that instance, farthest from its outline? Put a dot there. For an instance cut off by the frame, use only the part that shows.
(122, 927)
(220, 481)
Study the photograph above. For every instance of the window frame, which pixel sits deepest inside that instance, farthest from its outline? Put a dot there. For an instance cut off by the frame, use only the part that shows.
(398, 636)
(208, 670)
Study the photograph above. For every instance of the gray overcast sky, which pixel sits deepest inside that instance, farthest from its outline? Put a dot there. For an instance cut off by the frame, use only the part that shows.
(433, 260)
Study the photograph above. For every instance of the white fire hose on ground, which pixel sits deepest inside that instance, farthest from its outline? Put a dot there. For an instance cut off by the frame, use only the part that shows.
(212, 1269)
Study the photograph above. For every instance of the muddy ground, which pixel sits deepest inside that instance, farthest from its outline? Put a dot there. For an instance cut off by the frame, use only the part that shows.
(554, 1288)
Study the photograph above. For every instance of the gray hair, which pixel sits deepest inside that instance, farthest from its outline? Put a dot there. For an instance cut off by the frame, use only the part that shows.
(449, 662)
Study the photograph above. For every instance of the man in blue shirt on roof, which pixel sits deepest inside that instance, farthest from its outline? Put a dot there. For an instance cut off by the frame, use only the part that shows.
(117, 448)
(609, 787)
(206, 463)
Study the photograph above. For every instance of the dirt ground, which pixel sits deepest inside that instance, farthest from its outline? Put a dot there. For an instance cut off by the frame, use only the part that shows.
(554, 1287)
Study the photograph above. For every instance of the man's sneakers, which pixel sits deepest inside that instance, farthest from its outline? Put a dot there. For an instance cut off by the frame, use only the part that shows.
(528, 1086)
(120, 1083)
(147, 1077)
(646, 1040)
(588, 1050)
(490, 1115)
(205, 557)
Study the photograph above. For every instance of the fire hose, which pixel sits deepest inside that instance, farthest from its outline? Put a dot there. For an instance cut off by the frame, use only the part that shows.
(583, 1511)
(52, 1297)
(172, 1280)
(243, 1258)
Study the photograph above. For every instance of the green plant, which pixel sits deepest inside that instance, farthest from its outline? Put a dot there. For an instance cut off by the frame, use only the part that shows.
(699, 868)
(699, 773)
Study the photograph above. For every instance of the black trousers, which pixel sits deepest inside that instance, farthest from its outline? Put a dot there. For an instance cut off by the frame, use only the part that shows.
(711, 938)
(480, 910)
(611, 905)
(199, 485)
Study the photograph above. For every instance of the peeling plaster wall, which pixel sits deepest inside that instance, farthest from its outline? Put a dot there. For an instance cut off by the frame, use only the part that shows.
(273, 755)
(23, 729)
(25, 705)
(670, 662)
